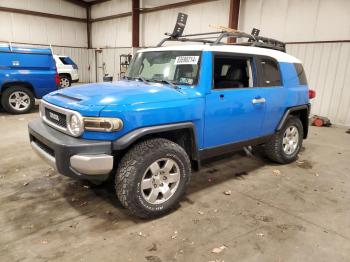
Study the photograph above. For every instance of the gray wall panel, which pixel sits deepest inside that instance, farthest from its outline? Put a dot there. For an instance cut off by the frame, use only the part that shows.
(327, 68)
(41, 30)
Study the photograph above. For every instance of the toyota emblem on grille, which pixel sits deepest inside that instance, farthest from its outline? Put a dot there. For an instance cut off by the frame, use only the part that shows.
(54, 116)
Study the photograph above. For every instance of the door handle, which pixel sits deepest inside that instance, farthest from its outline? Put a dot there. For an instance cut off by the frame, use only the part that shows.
(258, 100)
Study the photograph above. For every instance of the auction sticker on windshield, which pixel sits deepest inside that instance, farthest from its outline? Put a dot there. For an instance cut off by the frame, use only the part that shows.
(186, 60)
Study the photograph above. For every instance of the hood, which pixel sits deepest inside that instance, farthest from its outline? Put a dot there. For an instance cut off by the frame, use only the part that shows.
(117, 93)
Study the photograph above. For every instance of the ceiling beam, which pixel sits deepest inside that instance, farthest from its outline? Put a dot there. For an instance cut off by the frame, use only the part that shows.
(110, 17)
(174, 5)
(82, 3)
(152, 9)
(97, 2)
(34, 13)
(78, 2)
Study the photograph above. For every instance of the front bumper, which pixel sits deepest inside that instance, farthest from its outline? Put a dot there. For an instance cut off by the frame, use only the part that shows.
(73, 157)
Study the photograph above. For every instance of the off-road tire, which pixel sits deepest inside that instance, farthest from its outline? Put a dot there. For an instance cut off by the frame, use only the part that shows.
(5, 96)
(274, 148)
(132, 168)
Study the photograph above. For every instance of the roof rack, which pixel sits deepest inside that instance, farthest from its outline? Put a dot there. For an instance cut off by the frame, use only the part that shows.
(215, 38)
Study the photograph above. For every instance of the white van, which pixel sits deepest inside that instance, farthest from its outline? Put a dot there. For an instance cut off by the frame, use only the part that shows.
(67, 70)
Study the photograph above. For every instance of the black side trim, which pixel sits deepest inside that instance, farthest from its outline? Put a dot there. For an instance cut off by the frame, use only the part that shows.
(136, 134)
(228, 148)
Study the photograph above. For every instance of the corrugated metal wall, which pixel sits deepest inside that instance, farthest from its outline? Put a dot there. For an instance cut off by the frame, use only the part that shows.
(200, 17)
(114, 36)
(117, 32)
(111, 57)
(40, 30)
(29, 29)
(297, 20)
(83, 57)
(327, 66)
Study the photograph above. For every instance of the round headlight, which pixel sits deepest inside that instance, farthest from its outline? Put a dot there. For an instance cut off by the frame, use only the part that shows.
(75, 125)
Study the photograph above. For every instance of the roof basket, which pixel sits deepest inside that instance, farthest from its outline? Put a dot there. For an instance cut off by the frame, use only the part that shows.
(216, 38)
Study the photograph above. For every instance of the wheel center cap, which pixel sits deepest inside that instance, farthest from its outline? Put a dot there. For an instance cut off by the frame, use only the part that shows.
(156, 180)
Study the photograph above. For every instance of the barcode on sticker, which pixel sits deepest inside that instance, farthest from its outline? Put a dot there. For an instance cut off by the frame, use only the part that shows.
(186, 60)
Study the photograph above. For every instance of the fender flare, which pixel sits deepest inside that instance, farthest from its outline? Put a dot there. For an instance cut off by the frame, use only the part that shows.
(25, 84)
(293, 109)
(131, 137)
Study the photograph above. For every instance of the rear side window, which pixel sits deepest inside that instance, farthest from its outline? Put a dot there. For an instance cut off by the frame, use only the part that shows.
(68, 61)
(301, 74)
(269, 73)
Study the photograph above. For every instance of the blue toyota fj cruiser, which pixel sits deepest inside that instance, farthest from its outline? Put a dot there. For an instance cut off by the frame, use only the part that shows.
(25, 74)
(177, 106)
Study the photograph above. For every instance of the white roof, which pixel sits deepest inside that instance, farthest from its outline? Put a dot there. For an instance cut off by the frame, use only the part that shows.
(278, 55)
(59, 56)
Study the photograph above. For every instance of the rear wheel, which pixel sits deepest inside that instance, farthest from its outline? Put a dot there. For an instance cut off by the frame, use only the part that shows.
(152, 177)
(285, 145)
(17, 100)
(65, 81)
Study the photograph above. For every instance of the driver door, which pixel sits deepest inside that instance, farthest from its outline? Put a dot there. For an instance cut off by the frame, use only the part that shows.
(235, 108)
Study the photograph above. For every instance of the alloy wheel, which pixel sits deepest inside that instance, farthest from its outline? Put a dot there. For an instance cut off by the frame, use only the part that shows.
(64, 82)
(290, 140)
(19, 101)
(160, 181)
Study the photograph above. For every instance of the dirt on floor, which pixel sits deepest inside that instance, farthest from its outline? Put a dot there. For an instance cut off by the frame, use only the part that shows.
(236, 209)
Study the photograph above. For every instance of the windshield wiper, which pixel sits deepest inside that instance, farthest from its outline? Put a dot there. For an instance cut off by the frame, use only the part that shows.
(167, 82)
(142, 79)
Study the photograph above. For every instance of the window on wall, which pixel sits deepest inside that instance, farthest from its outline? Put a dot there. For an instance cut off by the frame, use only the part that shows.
(269, 73)
(232, 72)
(301, 74)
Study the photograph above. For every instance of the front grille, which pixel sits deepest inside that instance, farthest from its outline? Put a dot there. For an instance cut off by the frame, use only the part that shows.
(56, 117)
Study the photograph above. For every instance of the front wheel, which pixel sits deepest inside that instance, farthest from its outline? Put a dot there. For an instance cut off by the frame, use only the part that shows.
(152, 177)
(17, 100)
(285, 145)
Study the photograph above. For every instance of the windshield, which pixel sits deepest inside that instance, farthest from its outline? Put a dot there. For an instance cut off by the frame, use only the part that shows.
(177, 67)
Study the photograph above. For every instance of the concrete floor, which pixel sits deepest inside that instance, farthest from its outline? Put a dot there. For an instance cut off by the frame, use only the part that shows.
(299, 214)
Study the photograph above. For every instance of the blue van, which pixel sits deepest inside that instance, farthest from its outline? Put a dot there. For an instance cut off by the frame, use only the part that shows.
(25, 74)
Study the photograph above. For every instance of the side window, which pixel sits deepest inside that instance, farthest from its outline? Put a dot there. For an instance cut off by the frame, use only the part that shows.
(301, 74)
(63, 60)
(232, 72)
(269, 73)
